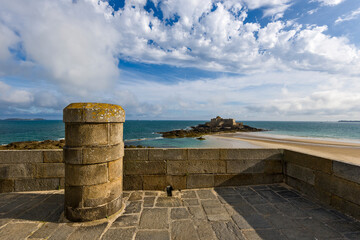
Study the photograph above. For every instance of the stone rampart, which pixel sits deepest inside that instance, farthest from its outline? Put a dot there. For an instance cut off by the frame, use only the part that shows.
(154, 169)
(332, 182)
(31, 170)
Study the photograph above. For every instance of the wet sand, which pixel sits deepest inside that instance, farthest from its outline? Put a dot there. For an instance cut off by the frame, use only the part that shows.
(346, 151)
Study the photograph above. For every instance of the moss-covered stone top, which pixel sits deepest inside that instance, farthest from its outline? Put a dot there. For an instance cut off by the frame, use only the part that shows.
(93, 112)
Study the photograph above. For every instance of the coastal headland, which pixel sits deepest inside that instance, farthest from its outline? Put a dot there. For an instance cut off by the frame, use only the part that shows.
(215, 126)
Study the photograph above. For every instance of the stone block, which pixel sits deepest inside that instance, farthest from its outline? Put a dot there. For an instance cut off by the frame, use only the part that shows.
(73, 155)
(78, 135)
(36, 184)
(82, 175)
(115, 169)
(136, 155)
(20, 156)
(114, 206)
(200, 180)
(144, 167)
(304, 174)
(308, 189)
(233, 179)
(308, 161)
(74, 197)
(96, 195)
(340, 187)
(183, 230)
(133, 182)
(154, 218)
(177, 167)
(177, 182)
(207, 166)
(345, 206)
(347, 171)
(156, 154)
(245, 166)
(154, 182)
(49, 170)
(62, 182)
(85, 214)
(203, 154)
(115, 133)
(176, 154)
(245, 154)
(15, 171)
(101, 154)
(6, 185)
(149, 234)
(93, 112)
(275, 166)
(53, 156)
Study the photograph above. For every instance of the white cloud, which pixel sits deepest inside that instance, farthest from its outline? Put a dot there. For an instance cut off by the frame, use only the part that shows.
(74, 43)
(329, 2)
(348, 17)
(77, 46)
(11, 96)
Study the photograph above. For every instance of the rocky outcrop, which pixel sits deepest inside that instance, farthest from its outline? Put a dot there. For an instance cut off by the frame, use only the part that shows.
(216, 125)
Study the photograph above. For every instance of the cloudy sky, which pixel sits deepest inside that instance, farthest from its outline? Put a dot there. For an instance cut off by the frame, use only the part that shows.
(182, 59)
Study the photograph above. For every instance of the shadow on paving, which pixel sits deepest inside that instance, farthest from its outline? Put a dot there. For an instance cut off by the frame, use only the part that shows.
(279, 212)
(39, 206)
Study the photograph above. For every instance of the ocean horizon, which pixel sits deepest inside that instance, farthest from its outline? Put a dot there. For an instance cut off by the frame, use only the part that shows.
(145, 132)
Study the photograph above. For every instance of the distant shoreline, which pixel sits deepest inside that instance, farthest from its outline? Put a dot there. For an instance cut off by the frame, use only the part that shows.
(332, 149)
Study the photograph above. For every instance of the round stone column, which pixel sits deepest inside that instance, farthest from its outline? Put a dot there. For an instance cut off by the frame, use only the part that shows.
(93, 155)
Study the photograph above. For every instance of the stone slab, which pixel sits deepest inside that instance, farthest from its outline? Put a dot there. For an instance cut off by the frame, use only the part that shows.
(50, 170)
(53, 156)
(150, 235)
(21, 156)
(154, 218)
(347, 171)
(82, 175)
(203, 154)
(200, 180)
(183, 230)
(304, 174)
(37, 184)
(249, 154)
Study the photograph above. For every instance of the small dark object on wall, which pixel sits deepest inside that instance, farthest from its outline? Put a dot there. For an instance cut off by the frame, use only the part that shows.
(169, 190)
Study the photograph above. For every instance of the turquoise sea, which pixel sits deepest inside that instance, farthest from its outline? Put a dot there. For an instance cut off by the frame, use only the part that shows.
(145, 132)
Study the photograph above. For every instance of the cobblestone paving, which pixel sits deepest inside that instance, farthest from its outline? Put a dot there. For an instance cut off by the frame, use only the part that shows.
(250, 212)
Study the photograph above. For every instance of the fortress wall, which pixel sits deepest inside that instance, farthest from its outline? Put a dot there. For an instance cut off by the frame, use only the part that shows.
(154, 169)
(31, 170)
(331, 182)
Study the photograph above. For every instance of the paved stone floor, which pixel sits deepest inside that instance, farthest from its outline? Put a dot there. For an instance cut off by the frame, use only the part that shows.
(252, 212)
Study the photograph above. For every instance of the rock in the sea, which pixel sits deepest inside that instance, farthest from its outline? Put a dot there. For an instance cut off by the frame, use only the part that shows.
(216, 125)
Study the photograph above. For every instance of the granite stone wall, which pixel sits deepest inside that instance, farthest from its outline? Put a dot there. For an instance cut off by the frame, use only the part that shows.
(334, 183)
(154, 169)
(31, 170)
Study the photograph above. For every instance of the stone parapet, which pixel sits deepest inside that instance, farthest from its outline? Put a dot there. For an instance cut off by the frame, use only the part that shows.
(31, 170)
(331, 182)
(93, 155)
(154, 169)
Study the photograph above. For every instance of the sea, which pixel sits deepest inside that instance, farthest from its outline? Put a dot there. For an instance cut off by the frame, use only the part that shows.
(146, 133)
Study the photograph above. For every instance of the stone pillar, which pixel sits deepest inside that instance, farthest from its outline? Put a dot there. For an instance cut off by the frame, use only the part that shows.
(93, 155)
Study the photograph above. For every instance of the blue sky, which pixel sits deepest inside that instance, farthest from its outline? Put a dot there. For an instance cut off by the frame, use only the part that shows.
(190, 59)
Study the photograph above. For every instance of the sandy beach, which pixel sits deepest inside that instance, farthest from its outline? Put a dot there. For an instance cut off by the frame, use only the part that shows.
(341, 150)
